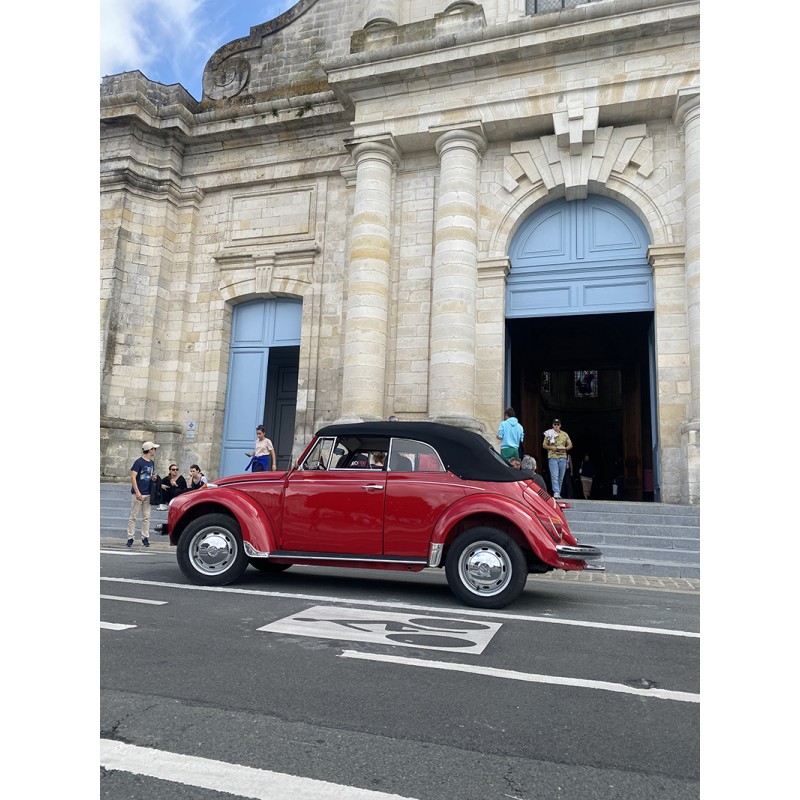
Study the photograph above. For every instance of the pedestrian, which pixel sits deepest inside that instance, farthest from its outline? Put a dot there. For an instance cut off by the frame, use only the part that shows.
(141, 478)
(263, 457)
(528, 467)
(558, 444)
(196, 479)
(586, 471)
(510, 433)
(171, 486)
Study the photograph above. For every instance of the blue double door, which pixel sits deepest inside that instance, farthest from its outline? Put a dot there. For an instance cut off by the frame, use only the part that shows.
(262, 380)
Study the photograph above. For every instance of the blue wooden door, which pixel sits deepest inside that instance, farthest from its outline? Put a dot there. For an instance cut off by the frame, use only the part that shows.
(579, 257)
(257, 326)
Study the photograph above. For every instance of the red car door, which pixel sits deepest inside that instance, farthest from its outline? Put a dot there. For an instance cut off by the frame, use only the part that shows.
(334, 511)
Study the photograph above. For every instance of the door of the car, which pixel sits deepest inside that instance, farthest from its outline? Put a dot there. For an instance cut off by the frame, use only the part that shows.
(334, 511)
(418, 491)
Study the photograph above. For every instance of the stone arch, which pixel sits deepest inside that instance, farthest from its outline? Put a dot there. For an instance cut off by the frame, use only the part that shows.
(537, 172)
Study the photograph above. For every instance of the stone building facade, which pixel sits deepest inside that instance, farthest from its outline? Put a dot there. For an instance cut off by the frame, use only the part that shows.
(356, 181)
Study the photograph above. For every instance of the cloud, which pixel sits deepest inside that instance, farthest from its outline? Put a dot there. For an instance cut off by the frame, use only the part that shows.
(170, 41)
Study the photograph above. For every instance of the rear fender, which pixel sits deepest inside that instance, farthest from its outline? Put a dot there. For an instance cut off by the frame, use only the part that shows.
(516, 515)
(256, 528)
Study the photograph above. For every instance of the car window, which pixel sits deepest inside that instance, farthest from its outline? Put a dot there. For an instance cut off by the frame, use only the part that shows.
(409, 455)
(319, 456)
(360, 453)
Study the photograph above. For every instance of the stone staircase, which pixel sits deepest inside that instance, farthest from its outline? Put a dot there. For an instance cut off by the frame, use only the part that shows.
(640, 538)
(115, 508)
(650, 539)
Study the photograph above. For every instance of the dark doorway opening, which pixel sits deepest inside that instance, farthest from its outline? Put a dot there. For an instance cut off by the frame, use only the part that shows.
(281, 401)
(591, 371)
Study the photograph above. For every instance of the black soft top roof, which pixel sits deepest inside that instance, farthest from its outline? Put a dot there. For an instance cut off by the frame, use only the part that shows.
(464, 453)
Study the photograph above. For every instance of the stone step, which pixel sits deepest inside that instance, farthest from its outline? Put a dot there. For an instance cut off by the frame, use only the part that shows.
(628, 508)
(625, 528)
(605, 540)
(587, 517)
(613, 552)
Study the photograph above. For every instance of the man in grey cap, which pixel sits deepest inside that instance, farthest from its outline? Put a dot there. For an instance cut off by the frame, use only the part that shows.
(141, 478)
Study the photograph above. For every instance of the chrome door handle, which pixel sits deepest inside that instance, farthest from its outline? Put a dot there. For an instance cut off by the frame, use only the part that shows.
(373, 486)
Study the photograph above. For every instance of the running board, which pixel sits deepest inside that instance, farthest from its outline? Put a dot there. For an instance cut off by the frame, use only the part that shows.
(298, 555)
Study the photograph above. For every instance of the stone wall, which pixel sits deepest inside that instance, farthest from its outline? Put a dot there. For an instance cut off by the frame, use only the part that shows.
(356, 180)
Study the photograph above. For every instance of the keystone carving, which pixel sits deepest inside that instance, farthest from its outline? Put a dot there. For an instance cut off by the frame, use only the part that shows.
(546, 161)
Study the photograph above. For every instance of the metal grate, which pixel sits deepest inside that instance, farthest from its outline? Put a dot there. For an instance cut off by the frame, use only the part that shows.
(546, 6)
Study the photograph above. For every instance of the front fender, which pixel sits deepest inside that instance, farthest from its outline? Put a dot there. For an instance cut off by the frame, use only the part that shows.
(521, 517)
(256, 527)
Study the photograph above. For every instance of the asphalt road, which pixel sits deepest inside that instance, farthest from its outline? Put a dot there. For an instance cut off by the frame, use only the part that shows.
(376, 684)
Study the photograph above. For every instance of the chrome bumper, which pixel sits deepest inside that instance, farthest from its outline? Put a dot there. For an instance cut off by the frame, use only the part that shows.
(579, 552)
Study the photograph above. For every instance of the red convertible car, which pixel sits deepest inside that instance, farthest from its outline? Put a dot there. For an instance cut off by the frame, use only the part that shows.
(383, 495)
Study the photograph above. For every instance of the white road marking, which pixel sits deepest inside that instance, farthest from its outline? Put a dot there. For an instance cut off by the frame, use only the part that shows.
(410, 607)
(124, 553)
(220, 776)
(133, 600)
(384, 627)
(114, 626)
(662, 694)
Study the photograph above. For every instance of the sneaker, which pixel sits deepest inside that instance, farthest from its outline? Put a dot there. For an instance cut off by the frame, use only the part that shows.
(160, 529)
(145, 542)
(557, 496)
(162, 507)
(129, 543)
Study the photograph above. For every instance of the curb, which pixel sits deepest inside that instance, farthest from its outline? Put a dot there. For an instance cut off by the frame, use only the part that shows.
(162, 545)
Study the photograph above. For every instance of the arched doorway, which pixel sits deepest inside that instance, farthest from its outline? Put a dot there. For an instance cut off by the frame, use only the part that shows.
(262, 380)
(579, 317)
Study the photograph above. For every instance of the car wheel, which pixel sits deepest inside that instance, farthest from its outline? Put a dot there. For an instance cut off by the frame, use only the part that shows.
(486, 568)
(210, 550)
(265, 565)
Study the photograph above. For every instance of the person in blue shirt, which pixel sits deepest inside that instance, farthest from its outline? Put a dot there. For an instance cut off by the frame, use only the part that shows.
(141, 478)
(511, 434)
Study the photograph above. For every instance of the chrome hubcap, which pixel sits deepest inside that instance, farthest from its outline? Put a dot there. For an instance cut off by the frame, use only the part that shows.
(485, 568)
(212, 550)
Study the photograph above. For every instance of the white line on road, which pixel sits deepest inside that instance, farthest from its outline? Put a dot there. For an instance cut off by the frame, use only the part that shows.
(126, 553)
(411, 607)
(114, 626)
(260, 784)
(662, 694)
(133, 600)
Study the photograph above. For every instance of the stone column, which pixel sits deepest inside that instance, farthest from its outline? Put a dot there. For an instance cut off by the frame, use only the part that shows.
(673, 373)
(451, 387)
(687, 115)
(381, 13)
(367, 312)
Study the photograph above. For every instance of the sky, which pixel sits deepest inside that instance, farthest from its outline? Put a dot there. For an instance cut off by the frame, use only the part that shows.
(170, 41)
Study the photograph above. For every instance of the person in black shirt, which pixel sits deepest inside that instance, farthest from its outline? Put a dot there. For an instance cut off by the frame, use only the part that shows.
(171, 486)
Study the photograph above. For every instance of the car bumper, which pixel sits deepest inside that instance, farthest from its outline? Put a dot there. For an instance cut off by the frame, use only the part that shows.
(580, 552)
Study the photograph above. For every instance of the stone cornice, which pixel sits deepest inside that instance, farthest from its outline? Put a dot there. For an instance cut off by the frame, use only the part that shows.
(687, 104)
(537, 35)
(493, 269)
(149, 186)
(667, 255)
